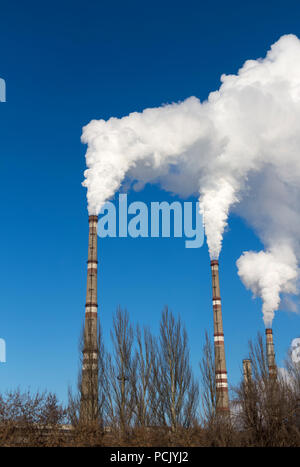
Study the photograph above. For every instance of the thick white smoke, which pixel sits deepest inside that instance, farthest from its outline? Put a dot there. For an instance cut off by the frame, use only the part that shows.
(150, 142)
(235, 150)
(267, 274)
(271, 208)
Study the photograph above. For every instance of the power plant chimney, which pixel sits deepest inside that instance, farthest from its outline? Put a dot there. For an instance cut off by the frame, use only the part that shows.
(247, 370)
(89, 381)
(271, 354)
(220, 363)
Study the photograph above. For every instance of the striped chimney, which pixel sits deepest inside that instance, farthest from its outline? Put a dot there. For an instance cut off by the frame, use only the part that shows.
(247, 370)
(271, 354)
(89, 383)
(220, 363)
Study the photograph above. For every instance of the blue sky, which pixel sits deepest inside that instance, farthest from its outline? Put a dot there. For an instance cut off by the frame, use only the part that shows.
(65, 63)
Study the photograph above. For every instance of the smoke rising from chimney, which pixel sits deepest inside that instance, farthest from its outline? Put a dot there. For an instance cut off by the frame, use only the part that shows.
(271, 208)
(234, 151)
(267, 273)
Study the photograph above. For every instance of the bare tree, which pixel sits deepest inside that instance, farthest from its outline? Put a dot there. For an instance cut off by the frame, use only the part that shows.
(177, 391)
(121, 373)
(143, 385)
(30, 419)
(267, 405)
(208, 381)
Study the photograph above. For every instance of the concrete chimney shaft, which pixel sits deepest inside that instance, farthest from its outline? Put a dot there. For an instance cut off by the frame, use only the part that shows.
(89, 385)
(271, 353)
(247, 370)
(220, 362)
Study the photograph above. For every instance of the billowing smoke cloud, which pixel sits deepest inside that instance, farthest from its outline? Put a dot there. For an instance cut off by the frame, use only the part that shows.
(267, 274)
(271, 208)
(145, 147)
(235, 151)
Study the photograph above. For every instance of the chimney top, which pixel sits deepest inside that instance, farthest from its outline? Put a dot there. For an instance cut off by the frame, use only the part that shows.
(93, 218)
(269, 331)
(214, 262)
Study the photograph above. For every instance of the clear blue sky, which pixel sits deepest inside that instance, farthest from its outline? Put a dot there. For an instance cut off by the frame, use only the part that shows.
(68, 62)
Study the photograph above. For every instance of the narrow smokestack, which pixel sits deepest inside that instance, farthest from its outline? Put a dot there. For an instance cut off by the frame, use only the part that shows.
(247, 370)
(271, 353)
(89, 383)
(220, 363)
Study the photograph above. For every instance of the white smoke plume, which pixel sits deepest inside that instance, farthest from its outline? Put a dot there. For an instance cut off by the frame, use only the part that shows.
(267, 274)
(229, 150)
(271, 208)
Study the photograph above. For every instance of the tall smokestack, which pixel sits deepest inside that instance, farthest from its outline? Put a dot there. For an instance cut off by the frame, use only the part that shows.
(89, 383)
(220, 363)
(271, 353)
(247, 370)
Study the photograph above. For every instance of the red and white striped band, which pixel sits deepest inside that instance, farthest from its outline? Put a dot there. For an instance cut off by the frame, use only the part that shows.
(219, 337)
(221, 386)
(91, 309)
(216, 302)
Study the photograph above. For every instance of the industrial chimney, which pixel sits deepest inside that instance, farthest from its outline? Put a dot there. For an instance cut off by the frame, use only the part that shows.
(247, 370)
(220, 363)
(270, 354)
(89, 382)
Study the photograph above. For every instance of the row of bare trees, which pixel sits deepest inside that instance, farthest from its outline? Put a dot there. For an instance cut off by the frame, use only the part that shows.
(267, 410)
(145, 381)
(148, 396)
